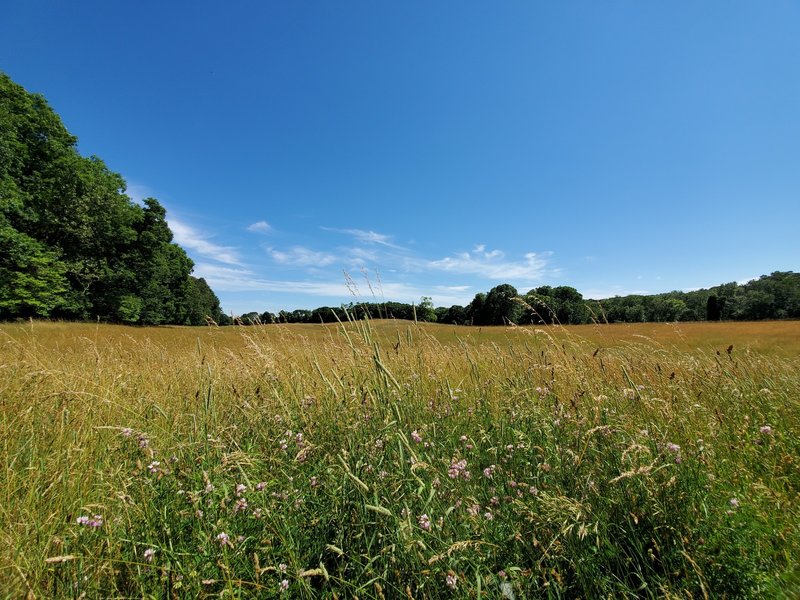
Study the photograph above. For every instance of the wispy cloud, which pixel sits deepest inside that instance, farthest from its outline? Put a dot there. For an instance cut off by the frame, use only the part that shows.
(260, 227)
(361, 256)
(190, 238)
(228, 279)
(493, 265)
(367, 237)
(233, 280)
(138, 192)
(299, 256)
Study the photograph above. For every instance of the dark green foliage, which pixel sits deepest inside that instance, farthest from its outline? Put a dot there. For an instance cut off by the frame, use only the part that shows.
(476, 311)
(775, 296)
(502, 305)
(202, 304)
(456, 315)
(73, 244)
(712, 309)
(548, 305)
(426, 311)
(251, 318)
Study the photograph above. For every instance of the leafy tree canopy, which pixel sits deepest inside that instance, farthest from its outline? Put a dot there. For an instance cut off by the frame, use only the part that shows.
(72, 243)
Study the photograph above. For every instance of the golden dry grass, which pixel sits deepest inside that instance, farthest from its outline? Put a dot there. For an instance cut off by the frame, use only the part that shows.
(223, 396)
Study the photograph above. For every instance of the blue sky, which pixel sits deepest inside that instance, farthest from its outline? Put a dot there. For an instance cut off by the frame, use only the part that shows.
(438, 148)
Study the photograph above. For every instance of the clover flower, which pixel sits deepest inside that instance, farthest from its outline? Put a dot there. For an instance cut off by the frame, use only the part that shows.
(95, 521)
(149, 554)
(458, 469)
(451, 580)
(416, 436)
(425, 522)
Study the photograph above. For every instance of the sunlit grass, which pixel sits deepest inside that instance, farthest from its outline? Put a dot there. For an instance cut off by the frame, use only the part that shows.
(387, 459)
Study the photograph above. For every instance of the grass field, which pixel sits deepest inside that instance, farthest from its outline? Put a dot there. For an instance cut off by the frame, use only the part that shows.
(387, 459)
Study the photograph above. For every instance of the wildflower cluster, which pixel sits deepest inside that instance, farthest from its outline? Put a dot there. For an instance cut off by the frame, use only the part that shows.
(94, 521)
(458, 469)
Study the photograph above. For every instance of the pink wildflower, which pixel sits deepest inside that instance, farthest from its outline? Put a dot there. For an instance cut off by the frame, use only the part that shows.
(95, 521)
(416, 436)
(458, 469)
(425, 522)
(451, 580)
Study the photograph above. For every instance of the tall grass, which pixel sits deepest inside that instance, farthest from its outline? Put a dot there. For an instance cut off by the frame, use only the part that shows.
(394, 460)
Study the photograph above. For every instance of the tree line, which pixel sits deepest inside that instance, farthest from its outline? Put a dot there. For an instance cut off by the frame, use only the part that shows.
(774, 296)
(73, 245)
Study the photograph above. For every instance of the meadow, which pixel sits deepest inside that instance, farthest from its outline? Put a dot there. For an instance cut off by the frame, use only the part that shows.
(393, 460)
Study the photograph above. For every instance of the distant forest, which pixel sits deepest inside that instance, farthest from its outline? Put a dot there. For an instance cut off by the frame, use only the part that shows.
(775, 296)
(74, 246)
